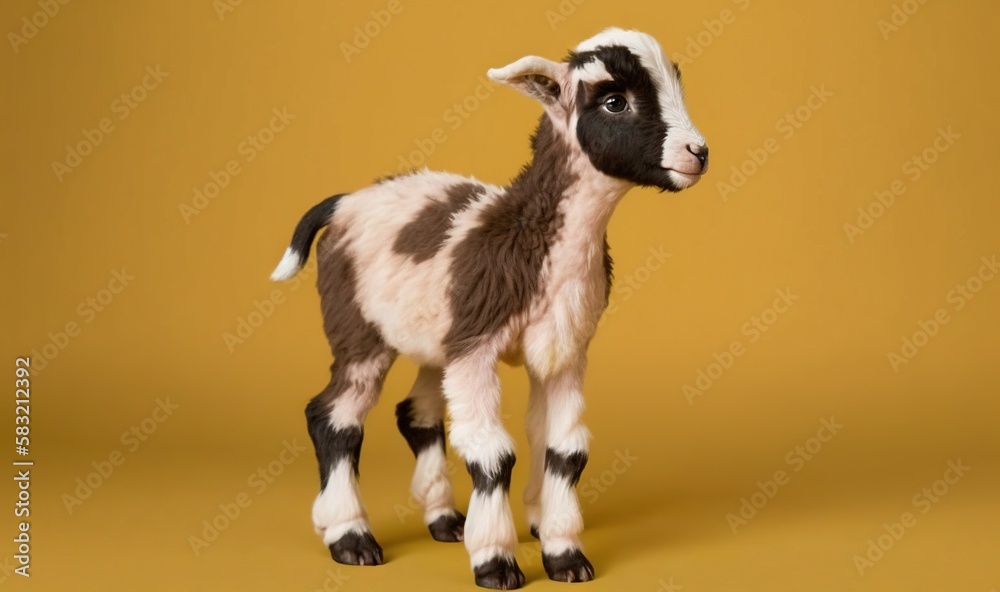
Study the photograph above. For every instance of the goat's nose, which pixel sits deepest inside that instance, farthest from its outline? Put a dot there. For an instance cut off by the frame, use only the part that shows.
(701, 153)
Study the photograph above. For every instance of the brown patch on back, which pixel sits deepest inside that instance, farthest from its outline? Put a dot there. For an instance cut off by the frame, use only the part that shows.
(497, 267)
(425, 235)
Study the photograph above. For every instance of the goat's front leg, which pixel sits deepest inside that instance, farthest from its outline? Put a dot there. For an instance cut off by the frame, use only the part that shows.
(472, 389)
(566, 440)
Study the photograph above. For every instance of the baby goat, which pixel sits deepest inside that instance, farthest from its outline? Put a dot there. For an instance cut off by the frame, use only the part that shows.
(458, 275)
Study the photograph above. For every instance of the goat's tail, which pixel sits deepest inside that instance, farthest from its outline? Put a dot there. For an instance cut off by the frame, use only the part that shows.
(298, 251)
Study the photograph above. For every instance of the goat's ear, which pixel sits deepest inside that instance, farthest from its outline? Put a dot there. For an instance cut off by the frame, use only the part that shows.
(539, 78)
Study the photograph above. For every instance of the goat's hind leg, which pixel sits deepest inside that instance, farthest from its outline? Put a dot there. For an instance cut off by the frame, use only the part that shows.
(420, 418)
(335, 420)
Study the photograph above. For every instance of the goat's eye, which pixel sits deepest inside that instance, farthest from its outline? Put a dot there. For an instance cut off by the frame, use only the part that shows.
(615, 104)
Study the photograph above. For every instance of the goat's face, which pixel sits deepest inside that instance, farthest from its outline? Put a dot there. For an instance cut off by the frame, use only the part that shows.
(621, 101)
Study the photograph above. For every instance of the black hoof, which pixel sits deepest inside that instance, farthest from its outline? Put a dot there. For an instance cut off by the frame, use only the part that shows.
(570, 566)
(449, 528)
(499, 573)
(357, 549)
(534, 532)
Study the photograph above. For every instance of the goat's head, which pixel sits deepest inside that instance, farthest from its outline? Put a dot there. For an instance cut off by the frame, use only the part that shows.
(620, 100)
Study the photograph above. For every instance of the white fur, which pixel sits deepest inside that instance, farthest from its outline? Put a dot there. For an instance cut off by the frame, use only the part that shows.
(489, 527)
(430, 486)
(561, 521)
(524, 66)
(338, 508)
(472, 389)
(564, 316)
(289, 265)
(593, 72)
(353, 405)
(407, 300)
(535, 426)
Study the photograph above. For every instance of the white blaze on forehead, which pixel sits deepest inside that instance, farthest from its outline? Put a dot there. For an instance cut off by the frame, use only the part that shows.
(668, 86)
(593, 72)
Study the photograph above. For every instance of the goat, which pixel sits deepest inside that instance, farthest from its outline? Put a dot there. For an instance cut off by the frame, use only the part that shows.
(458, 275)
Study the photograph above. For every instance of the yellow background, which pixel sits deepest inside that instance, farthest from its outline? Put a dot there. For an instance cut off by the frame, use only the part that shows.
(660, 522)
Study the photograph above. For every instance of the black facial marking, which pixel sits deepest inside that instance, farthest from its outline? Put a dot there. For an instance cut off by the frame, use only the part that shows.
(419, 438)
(332, 445)
(569, 466)
(626, 145)
(484, 482)
(571, 566)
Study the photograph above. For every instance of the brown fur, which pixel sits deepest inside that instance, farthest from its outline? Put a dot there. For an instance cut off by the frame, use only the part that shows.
(609, 269)
(425, 235)
(352, 338)
(497, 266)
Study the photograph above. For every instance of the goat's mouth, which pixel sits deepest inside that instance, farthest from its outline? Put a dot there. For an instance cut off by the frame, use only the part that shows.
(683, 180)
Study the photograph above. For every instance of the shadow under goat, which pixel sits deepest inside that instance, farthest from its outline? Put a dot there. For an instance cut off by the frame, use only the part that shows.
(458, 275)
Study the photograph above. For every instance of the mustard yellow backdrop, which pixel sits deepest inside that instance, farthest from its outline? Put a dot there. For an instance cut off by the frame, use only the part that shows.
(795, 387)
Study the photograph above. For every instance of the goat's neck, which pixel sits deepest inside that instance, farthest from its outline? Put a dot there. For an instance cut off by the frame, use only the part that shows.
(560, 190)
(562, 180)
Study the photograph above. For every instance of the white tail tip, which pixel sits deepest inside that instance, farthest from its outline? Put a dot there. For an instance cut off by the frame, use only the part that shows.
(287, 267)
